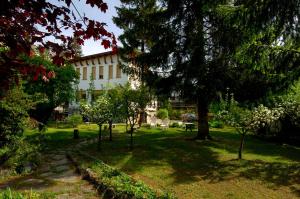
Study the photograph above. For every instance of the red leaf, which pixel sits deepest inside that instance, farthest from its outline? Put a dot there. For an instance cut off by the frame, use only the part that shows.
(42, 50)
(31, 53)
(78, 25)
(103, 7)
(105, 43)
(51, 74)
(68, 2)
(80, 41)
(58, 60)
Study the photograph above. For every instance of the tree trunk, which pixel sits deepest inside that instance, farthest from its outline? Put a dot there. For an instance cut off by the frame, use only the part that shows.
(203, 129)
(110, 130)
(241, 145)
(76, 133)
(100, 136)
(131, 138)
(142, 115)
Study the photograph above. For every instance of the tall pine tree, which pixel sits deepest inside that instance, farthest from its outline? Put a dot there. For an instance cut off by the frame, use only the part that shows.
(134, 17)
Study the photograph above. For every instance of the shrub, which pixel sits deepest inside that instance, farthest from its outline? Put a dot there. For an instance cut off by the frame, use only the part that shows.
(175, 114)
(22, 155)
(74, 120)
(13, 114)
(15, 151)
(9, 194)
(122, 184)
(216, 124)
(146, 125)
(162, 114)
(282, 120)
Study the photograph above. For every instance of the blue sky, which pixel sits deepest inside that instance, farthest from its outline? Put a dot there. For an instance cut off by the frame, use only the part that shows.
(90, 46)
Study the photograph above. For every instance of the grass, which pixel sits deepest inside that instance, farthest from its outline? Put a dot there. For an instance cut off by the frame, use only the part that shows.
(170, 161)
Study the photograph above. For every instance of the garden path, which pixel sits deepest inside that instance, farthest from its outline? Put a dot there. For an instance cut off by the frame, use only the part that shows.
(55, 177)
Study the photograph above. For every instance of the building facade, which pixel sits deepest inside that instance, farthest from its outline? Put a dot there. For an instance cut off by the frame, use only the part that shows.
(103, 69)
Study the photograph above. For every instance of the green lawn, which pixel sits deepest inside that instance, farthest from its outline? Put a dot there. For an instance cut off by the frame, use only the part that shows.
(170, 161)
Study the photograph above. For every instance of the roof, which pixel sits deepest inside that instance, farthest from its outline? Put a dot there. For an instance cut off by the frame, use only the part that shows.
(93, 56)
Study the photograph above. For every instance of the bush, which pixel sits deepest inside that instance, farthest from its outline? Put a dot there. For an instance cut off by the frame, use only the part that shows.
(14, 109)
(15, 151)
(74, 120)
(175, 114)
(146, 125)
(21, 155)
(122, 184)
(9, 194)
(162, 114)
(216, 124)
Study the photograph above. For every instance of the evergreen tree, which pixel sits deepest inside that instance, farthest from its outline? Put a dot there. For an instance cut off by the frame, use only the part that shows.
(203, 47)
(190, 51)
(134, 18)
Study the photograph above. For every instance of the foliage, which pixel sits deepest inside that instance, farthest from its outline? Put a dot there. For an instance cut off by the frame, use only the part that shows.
(99, 112)
(57, 91)
(13, 114)
(74, 120)
(175, 125)
(281, 120)
(200, 48)
(10, 194)
(117, 106)
(162, 114)
(158, 155)
(121, 183)
(175, 114)
(134, 101)
(32, 23)
(133, 18)
(23, 156)
(216, 124)
(91, 89)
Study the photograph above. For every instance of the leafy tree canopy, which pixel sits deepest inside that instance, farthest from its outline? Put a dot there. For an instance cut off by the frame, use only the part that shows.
(36, 22)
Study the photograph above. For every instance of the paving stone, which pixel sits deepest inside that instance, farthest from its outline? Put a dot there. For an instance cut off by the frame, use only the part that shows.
(62, 168)
(60, 162)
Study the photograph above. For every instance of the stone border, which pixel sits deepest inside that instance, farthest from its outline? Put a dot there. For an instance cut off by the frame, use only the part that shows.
(105, 191)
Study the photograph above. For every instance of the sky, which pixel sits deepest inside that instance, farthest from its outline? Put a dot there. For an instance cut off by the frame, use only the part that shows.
(90, 46)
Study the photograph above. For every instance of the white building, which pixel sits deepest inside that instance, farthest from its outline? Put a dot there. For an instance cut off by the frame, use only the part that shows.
(105, 70)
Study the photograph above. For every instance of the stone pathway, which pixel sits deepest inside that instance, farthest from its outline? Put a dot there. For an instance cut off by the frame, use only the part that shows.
(57, 176)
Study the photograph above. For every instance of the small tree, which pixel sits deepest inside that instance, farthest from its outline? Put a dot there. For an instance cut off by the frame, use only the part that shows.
(134, 102)
(240, 119)
(116, 107)
(75, 120)
(245, 121)
(98, 113)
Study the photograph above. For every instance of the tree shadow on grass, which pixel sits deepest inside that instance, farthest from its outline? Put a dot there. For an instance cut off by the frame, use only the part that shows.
(230, 142)
(172, 154)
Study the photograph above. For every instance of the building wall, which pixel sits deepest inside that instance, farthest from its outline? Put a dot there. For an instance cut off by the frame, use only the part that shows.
(100, 84)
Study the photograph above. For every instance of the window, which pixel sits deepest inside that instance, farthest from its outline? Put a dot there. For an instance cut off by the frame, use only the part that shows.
(84, 75)
(94, 72)
(110, 72)
(100, 72)
(118, 75)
